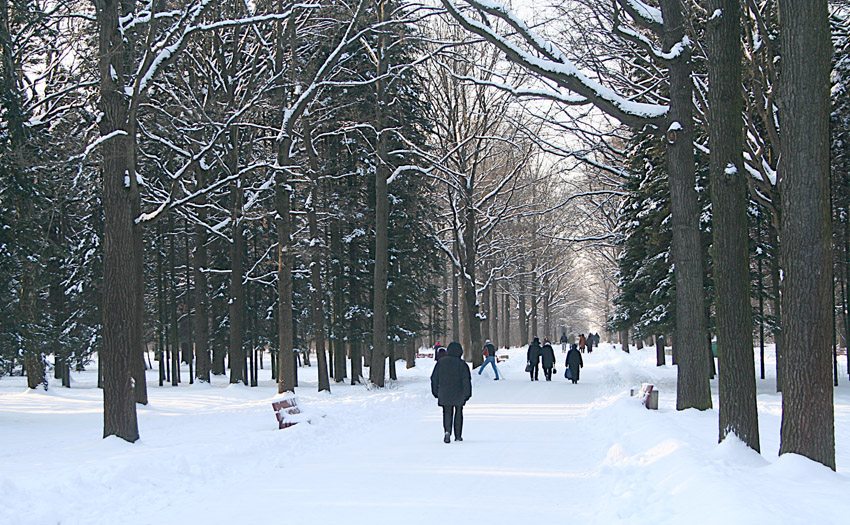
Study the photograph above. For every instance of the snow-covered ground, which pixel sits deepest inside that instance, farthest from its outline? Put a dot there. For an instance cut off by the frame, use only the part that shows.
(532, 452)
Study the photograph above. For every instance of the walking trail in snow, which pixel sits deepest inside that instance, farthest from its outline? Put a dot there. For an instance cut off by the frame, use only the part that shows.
(532, 451)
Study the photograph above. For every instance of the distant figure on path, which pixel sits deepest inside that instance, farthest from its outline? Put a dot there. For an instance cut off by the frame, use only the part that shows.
(452, 386)
(547, 356)
(439, 351)
(533, 357)
(574, 363)
(582, 341)
(590, 341)
(489, 358)
(564, 343)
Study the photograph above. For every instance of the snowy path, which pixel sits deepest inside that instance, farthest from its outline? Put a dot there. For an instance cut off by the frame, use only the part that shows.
(584, 453)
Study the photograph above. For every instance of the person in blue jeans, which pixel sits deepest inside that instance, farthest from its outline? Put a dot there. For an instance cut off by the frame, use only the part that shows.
(489, 358)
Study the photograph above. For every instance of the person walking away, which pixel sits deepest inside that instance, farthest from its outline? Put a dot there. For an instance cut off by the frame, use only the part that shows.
(590, 341)
(439, 351)
(564, 342)
(574, 363)
(451, 384)
(489, 358)
(547, 358)
(582, 342)
(533, 358)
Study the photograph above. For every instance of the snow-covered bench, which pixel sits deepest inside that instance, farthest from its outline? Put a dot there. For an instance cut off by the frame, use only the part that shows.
(284, 408)
(648, 396)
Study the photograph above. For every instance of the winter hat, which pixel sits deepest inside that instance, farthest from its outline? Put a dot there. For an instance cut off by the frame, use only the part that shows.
(455, 349)
(487, 342)
(536, 340)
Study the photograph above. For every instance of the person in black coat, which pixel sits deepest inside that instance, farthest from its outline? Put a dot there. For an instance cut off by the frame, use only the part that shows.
(533, 358)
(452, 386)
(439, 351)
(547, 358)
(573, 364)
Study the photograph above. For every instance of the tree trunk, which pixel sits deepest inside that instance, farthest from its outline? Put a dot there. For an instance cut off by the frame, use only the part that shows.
(337, 341)
(808, 426)
(470, 290)
(487, 313)
(533, 326)
(120, 192)
(547, 325)
(286, 379)
(660, 356)
(238, 370)
(738, 412)
(355, 330)
(172, 304)
(377, 369)
(506, 322)
(455, 307)
(317, 244)
(496, 317)
(693, 388)
(522, 311)
(201, 318)
(775, 269)
(624, 339)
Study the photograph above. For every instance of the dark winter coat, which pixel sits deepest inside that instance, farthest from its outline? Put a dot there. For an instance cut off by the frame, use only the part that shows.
(574, 362)
(533, 355)
(547, 354)
(564, 338)
(450, 380)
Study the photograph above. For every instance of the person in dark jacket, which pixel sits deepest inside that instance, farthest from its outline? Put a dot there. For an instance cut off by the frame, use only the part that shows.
(489, 358)
(574, 363)
(451, 385)
(564, 343)
(590, 341)
(547, 358)
(533, 357)
(439, 351)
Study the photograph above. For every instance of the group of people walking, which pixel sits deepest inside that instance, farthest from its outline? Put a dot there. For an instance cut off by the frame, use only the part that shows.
(584, 342)
(544, 355)
(451, 380)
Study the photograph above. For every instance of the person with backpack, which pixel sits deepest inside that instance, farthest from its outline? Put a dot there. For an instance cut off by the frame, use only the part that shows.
(564, 342)
(489, 358)
(533, 359)
(547, 358)
(574, 363)
(451, 384)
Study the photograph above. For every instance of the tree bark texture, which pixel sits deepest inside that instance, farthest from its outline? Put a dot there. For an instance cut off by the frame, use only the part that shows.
(470, 289)
(808, 426)
(693, 388)
(382, 217)
(738, 413)
(120, 190)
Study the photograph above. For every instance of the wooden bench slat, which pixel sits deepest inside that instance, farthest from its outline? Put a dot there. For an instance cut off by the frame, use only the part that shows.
(285, 406)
